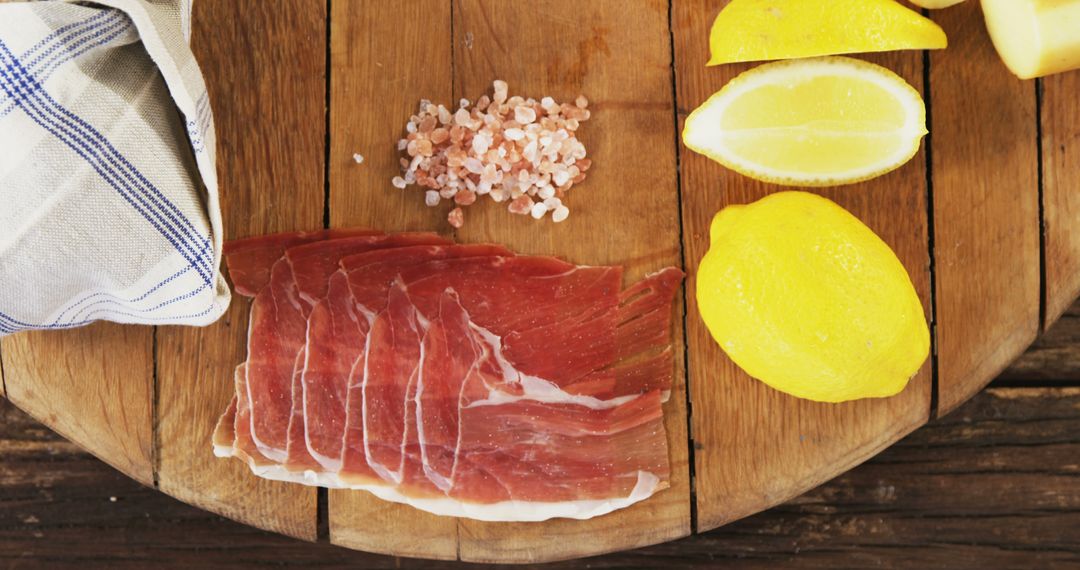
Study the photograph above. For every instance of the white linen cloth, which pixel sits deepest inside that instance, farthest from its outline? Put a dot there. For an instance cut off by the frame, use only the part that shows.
(108, 189)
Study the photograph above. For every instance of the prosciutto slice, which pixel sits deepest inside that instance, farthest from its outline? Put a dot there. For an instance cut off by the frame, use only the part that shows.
(277, 333)
(463, 380)
(337, 336)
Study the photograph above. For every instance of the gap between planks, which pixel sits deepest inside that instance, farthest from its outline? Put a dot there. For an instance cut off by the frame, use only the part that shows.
(932, 256)
(322, 494)
(1042, 206)
(685, 268)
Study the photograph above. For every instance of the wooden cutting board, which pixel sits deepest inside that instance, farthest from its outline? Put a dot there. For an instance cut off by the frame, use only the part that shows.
(986, 218)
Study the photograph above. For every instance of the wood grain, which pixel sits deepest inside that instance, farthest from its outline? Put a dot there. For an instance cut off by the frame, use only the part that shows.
(265, 66)
(385, 57)
(986, 208)
(76, 383)
(1054, 358)
(992, 485)
(753, 446)
(625, 213)
(1061, 191)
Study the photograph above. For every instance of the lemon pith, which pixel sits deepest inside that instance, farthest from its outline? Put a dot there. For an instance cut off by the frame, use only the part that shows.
(815, 122)
(756, 30)
(804, 297)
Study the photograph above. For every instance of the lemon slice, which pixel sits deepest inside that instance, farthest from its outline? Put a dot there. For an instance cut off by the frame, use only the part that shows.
(755, 30)
(815, 122)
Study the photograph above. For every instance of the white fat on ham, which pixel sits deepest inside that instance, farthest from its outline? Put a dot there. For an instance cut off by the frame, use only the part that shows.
(534, 388)
(522, 511)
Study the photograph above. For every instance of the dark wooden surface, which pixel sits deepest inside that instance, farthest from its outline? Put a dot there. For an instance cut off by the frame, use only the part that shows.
(995, 484)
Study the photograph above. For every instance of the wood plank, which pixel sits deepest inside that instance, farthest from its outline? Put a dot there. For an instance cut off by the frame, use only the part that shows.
(1053, 359)
(75, 383)
(385, 57)
(740, 466)
(625, 213)
(1061, 191)
(265, 69)
(992, 485)
(986, 210)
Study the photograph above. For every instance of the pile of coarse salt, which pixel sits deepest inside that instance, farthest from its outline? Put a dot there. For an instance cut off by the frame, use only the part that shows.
(510, 149)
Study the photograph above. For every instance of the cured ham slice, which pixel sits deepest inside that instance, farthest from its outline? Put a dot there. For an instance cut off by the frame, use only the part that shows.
(531, 452)
(250, 260)
(277, 332)
(337, 337)
(312, 265)
(463, 380)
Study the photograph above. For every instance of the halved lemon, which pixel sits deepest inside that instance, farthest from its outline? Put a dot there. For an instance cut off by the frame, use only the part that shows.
(812, 122)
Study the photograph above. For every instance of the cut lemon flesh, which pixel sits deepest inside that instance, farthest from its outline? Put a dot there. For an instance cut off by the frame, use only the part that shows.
(755, 30)
(815, 122)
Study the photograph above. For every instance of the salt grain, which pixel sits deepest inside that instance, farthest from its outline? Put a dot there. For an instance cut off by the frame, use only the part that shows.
(480, 144)
(465, 198)
(462, 118)
(358, 158)
(524, 115)
(521, 205)
(500, 92)
(508, 148)
(474, 165)
(456, 217)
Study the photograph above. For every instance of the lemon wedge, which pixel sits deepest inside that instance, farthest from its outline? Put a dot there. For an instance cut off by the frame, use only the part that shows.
(814, 122)
(804, 297)
(755, 30)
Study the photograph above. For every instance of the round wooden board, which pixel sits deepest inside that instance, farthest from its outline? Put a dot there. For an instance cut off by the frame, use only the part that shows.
(985, 219)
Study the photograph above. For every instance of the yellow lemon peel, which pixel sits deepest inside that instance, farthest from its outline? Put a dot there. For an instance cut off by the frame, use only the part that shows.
(756, 30)
(806, 298)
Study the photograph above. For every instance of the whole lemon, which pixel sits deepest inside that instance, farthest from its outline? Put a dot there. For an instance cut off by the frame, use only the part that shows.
(806, 298)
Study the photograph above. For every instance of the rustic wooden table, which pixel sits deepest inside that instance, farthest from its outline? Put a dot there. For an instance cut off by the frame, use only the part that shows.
(984, 221)
(994, 484)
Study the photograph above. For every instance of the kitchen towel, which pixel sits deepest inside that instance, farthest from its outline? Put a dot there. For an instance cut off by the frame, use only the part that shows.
(108, 188)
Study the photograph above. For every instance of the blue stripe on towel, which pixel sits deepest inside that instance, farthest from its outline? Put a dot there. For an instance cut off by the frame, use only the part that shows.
(110, 23)
(103, 157)
(111, 298)
(10, 325)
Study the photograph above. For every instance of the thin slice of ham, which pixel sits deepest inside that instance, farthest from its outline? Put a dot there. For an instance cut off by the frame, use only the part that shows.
(337, 336)
(277, 332)
(249, 260)
(312, 265)
(528, 454)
